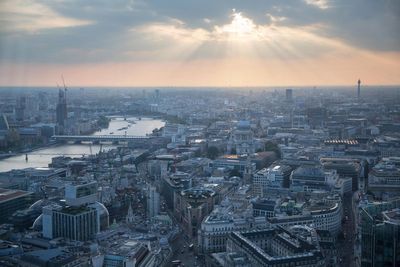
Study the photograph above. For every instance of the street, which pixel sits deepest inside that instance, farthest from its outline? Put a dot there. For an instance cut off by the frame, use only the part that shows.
(181, 252)
(346, 246)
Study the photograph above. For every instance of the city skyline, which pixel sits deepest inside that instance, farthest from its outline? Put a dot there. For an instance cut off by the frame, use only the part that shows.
(152, 43)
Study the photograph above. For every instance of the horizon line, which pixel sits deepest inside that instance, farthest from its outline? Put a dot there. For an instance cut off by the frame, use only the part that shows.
(203, 86)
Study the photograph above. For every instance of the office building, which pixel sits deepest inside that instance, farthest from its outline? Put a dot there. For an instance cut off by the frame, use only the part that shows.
(384, 178)
(78, 194)
(274, 177)
(274, 247)
(308, 178)
(61, 111)
(191, 206)
(80, 217)
(380, 234)
(264, 207)
(327, 216)
(12, 201)
(75, 223)
(153, 202)
(173, 185)
(242, 164)
(216, 227)
(345, 168)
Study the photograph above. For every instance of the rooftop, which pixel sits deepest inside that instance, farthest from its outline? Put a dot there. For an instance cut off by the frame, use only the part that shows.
(8, 194)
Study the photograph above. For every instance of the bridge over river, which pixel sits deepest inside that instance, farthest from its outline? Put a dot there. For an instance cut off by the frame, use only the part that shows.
(115, 139)
(100, 138)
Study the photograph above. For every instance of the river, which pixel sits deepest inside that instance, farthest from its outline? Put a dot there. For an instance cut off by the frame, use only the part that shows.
(42, 157)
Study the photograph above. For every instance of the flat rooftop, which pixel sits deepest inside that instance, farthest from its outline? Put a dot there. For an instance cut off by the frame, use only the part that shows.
(9, 194)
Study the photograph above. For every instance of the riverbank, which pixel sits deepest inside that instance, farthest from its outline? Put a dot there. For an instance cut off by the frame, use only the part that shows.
(42, 156)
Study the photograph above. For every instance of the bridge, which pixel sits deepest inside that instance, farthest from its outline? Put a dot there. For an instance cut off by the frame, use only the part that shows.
(100, 138)
(60, 154)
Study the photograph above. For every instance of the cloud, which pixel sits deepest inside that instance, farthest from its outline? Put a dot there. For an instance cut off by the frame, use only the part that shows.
(32, 16)
(241, 37)
(322, 4)
(152, 30)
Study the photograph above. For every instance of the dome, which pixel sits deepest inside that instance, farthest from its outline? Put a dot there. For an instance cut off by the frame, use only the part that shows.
(101, 209)
(103, 214)
(38, 223)
(243, 125)
(38, 205)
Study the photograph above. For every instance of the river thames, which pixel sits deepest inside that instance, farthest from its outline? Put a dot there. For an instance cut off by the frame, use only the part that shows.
(118, 126)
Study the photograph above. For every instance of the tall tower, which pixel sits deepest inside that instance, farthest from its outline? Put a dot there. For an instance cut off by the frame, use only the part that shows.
(20, 108)
(359, 89)
(61, 110)
(153, 202)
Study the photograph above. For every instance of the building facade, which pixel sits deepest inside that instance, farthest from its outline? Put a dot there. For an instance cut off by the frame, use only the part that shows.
(274, 247)
(380, 234)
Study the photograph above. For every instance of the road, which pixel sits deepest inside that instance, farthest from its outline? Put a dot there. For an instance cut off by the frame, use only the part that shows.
(346, 246)
(180, 248)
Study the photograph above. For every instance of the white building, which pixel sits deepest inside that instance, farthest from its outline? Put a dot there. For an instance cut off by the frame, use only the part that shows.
(75, 223)
(216, 227)
(270, 177)
(79, 219)
(327, 217)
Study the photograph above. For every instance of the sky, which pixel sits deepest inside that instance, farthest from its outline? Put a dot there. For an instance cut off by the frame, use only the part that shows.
(199, 43)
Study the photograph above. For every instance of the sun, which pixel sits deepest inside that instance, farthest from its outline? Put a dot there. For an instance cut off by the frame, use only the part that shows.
(240, 27)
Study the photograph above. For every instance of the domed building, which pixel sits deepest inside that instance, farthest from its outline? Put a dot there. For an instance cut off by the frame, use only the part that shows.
(242, 139)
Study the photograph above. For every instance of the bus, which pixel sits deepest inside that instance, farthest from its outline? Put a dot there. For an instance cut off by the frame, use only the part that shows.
(176, 262)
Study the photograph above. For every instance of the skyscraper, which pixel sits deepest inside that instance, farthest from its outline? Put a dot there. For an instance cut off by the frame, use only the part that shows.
(380, 234)
(61, 110)
(153, 202)
(20, 109)
(359, 89)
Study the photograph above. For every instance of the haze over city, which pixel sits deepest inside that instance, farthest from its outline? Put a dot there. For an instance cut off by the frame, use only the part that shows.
(199, 43)
(166, 133)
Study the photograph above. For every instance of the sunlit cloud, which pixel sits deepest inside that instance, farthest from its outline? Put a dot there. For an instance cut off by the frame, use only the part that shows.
(32, 16)
(240, 37)
(240, 27)
(174, 29)
(322, 4)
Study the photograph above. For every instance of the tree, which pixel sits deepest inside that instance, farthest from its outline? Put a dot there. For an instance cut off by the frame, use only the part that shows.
(212, 152)
(234, 172)
(271, 146)
(103, 122)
